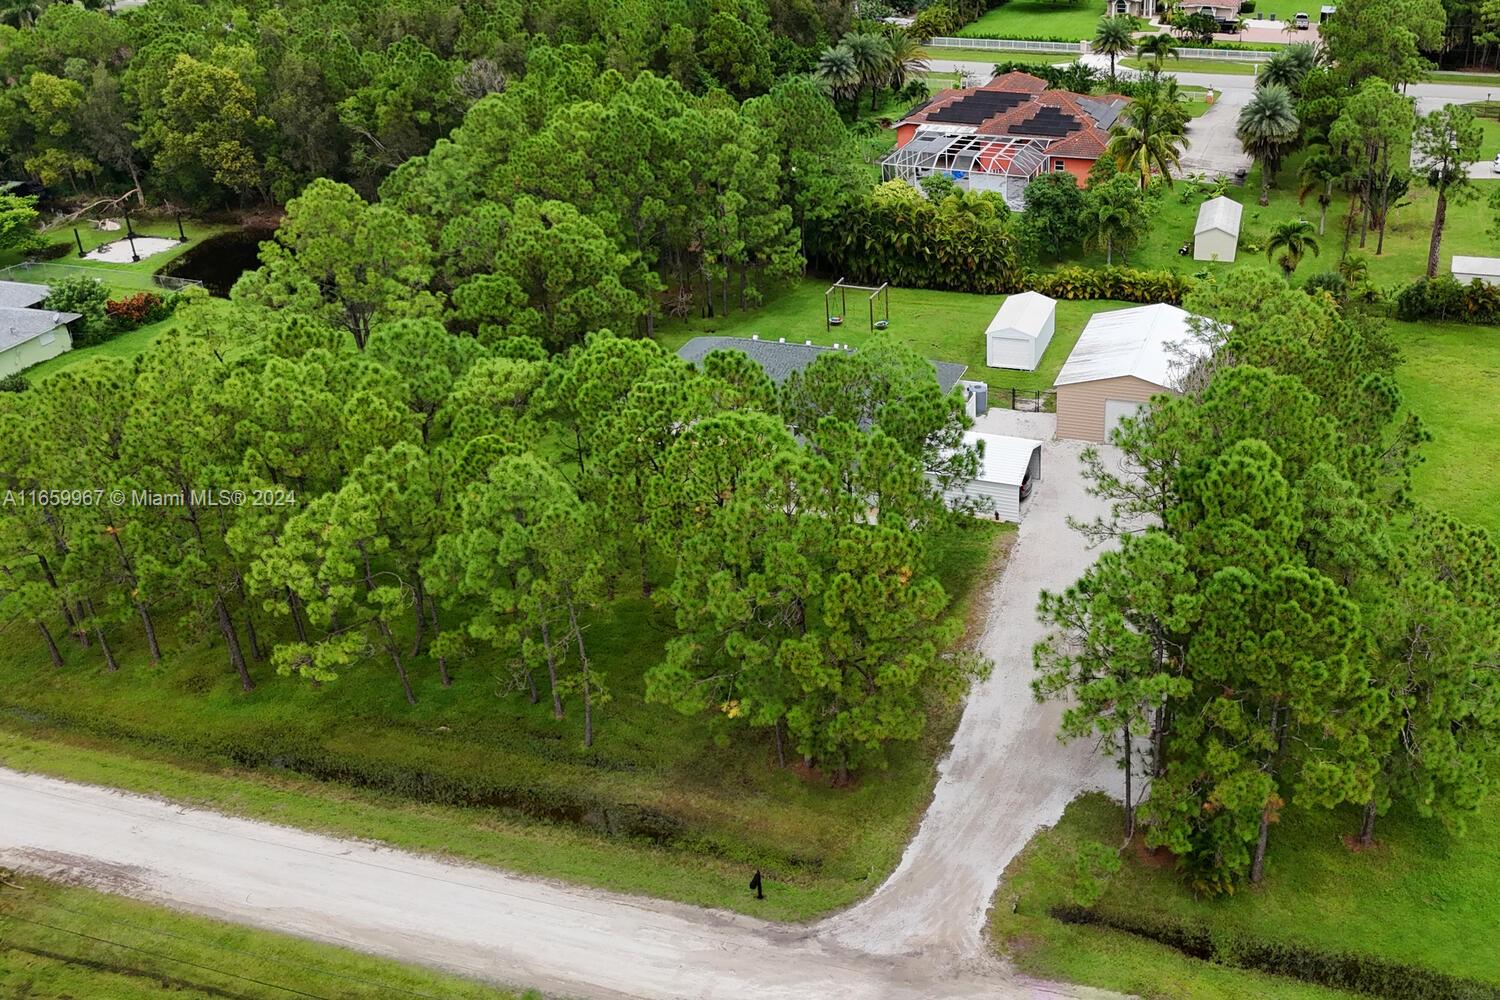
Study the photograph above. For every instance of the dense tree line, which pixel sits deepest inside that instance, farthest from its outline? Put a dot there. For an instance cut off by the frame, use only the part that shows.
(430, 501)
(225, 102)
(1282, 624)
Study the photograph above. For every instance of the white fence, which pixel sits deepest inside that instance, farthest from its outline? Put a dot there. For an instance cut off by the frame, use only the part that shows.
(1082, 48)
(1009, 45)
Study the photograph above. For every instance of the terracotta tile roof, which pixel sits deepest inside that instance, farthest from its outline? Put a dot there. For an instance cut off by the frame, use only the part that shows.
(1084, 137)
(1016, 82)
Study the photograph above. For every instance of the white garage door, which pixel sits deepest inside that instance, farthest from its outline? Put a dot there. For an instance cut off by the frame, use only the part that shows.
(1116, 410)
(1011, 354)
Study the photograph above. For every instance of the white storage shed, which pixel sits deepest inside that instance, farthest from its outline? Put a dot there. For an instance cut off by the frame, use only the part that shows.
(1008, 466)
(1019, 334)
(1469, 269)
(1217, 234)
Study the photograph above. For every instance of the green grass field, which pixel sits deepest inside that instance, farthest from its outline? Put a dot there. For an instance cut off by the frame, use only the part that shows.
(1196, 66)
(1036, 19)
(1421, 897)
(1403, 261)
(1451, 377)
(726, 807)
(989, 57)
(124, 345)
(942, 326)
(60, 942)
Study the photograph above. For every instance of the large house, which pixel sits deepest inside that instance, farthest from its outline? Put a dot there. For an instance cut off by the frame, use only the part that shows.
(1001, 135)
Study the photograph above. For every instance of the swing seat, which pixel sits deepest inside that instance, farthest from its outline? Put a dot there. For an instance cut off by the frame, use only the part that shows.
(881, 324)
(835, 321)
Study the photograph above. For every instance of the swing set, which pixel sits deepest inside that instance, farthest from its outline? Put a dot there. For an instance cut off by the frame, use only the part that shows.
(879, 297)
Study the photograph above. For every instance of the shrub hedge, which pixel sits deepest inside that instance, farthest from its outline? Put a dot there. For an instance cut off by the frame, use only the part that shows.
(1338, 970)
(15, 382)
(1443, 298)
(1127, 284)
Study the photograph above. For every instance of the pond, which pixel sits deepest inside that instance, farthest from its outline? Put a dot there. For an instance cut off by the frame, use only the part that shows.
(219, 260)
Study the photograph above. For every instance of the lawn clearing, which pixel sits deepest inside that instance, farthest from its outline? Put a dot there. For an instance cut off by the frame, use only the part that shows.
(1403, 261)
(1036, 19)
(58, 941)
(681, 807)
(122, 345)
(1450, 377)
(990, 57)
(941, 326)
(1420, 897)
(1188, 65)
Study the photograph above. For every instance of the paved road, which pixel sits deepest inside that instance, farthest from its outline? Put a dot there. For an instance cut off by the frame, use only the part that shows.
(918, 937)
(1007, 775)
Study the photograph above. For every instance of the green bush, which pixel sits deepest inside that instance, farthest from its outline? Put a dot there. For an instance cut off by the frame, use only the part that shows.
(1127, 284)
(14, 383)
(1342, 971)
(87, 297)
(1443, 298)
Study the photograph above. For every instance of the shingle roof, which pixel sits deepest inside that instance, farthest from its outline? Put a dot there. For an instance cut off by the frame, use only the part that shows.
(17, 326)
(780, 360)
(20, 294)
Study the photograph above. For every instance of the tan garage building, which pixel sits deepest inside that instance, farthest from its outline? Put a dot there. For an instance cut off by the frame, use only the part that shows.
(1122, 359)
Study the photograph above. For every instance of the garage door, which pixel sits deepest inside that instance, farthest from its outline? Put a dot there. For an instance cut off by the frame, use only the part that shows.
(1011, 354)
(1116, 410)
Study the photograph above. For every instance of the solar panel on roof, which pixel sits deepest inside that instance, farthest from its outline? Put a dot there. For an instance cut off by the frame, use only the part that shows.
(1048, 122)
(977, 107)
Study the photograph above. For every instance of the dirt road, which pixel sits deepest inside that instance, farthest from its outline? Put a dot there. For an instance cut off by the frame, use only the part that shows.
(486, 924)
(917, 937)
(1007, 774)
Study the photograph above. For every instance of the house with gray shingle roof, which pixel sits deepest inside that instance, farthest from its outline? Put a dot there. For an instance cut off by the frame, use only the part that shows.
(780, 359)
(31, 336)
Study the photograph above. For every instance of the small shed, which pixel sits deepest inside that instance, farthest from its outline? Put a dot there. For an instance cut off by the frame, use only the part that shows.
(31, 336)
(1217, 234)
(1008, 466)
(1019, 334)
(1470, 269)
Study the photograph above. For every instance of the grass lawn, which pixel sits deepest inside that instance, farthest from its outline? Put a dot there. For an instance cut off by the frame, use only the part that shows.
(1450, 377)
(1036, 19)
(1488, 115)
(1420, 897)
(1403, 261)
(57, 941)
(714, 803)
(126, 277)
(942, 326)
(989, 57)
(1195, 66)
(125, 345)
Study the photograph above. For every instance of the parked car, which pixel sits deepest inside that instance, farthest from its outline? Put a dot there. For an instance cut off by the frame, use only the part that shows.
(1497, 162)
(1302, 22)
(1026, 484)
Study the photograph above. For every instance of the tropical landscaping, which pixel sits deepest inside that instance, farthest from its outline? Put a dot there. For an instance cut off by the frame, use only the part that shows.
(500, 577)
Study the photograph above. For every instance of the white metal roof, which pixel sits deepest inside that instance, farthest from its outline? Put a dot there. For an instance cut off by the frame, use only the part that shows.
(1004, 459)
(17, 326)
(1477, 265)
(1025, 312)
(1219, 213)
(1146, 342)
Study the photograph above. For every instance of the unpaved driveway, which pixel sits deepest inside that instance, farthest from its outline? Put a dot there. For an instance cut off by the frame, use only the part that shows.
(1007, 775)
(918, 937)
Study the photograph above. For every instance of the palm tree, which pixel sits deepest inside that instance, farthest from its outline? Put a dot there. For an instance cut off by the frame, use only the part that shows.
(1354, 269)
(872, 58)
(908, 59)
(1288, 68)
(19, 13)
(839, 73)
(1321, 169)
(1158, 48)
(1267, 129)
(1295, 240)
(1148, 136)
(1113, 37)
